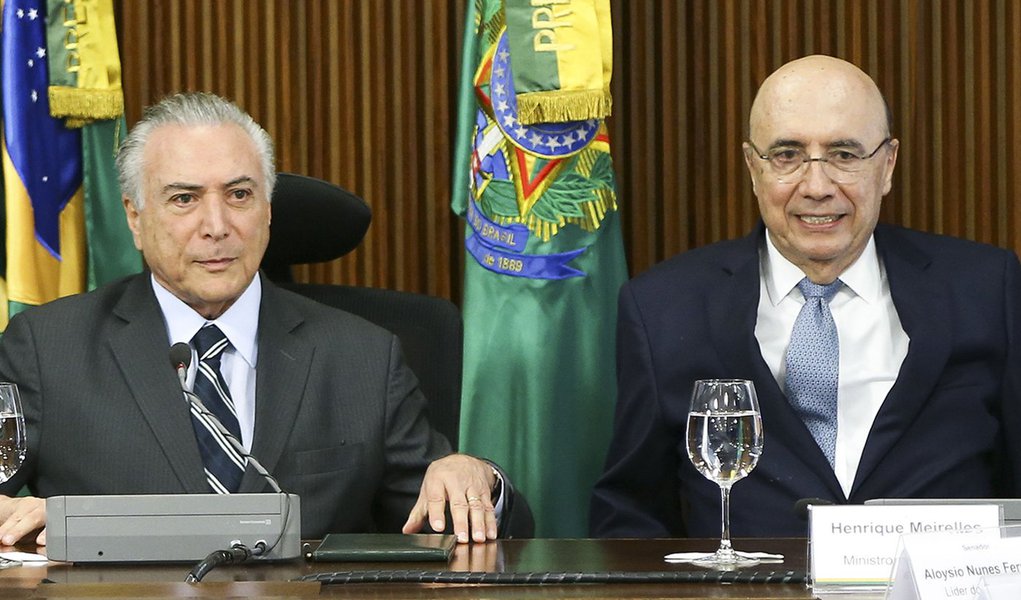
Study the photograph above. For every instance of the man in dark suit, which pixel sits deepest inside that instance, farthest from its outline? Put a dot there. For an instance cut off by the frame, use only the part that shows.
(321, 398)
(922, 399)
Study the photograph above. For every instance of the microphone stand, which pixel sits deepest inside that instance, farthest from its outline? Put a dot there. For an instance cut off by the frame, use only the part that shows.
(180, 357)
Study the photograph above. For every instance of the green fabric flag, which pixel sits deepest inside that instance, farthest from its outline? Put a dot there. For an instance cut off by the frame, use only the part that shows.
(543, 265)
(85, 90)
(111, 249)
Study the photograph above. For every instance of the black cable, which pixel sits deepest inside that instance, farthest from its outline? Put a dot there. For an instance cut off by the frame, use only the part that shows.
(283, 526)
(260, 547)
(548, 578)
(238, 553)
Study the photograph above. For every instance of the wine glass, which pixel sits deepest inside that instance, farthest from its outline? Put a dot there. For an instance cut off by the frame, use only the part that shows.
(724, 444)
(12, 431)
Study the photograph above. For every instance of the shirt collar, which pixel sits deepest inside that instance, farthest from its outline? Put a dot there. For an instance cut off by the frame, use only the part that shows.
(240, 322)
(863, 277)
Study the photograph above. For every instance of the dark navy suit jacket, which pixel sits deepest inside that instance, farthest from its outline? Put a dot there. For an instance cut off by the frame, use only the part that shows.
(950, 426)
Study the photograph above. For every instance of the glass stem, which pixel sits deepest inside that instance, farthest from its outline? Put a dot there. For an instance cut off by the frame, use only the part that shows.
(725, 547)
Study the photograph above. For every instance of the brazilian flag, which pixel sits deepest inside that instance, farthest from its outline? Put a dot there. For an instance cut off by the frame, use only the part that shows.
(65, 230)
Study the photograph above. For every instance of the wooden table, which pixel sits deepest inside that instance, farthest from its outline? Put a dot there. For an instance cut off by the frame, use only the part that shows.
(274, 580)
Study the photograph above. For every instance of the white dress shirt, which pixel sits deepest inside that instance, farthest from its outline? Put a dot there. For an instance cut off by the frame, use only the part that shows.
(873, 343)
(240, 323)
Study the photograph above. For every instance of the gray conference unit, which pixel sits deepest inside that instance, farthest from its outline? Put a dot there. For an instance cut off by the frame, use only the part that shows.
(170, 528)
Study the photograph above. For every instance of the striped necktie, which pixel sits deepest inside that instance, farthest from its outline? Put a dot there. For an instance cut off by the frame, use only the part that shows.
(224, 465)
(813, 365)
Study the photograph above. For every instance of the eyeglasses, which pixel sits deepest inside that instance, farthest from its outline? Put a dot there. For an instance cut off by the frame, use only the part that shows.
(789, 163)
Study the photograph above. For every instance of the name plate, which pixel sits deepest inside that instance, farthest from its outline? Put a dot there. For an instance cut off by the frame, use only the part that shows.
(856, 545)
(958, 567)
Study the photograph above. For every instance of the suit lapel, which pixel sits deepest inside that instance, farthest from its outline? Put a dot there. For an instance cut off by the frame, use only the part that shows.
(922, 306)
(733, 312)
(141, 349)
(281, 377)
(732, 306)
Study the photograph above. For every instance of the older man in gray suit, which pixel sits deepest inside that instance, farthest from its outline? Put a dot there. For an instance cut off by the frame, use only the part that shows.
(320, 397)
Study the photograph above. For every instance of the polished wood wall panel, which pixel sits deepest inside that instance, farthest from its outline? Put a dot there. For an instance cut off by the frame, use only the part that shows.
(357, 92)
(361, 93)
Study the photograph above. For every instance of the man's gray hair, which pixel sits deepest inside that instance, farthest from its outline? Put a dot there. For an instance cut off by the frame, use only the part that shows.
(189, 108)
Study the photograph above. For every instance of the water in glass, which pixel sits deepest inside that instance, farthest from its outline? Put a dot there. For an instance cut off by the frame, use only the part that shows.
(724, 442)
(724, 447)
(12, 431)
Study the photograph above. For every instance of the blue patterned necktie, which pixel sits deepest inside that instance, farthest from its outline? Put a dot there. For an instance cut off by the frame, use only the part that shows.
(224, 465)
(813, 363)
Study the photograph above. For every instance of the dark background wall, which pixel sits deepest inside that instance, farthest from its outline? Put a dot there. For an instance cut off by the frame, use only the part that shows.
(361, 93)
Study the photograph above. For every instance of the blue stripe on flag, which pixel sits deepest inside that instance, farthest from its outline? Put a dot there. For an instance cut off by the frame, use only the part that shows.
(46, 154)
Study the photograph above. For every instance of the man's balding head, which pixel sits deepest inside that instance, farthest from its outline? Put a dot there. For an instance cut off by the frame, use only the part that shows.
(821, 81)
(821, 159)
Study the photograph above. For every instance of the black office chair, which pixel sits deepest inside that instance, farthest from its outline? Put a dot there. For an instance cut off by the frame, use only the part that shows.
(313, 221)
(316, 221)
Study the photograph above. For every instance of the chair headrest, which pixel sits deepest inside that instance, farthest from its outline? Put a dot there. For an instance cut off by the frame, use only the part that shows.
(313, 221)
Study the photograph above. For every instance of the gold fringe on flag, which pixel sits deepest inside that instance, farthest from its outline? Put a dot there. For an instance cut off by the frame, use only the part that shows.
(81, 105)
(561, 106)
(84, 64)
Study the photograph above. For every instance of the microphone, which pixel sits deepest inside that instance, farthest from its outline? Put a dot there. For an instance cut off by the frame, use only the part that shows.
(180, 359)
(801, 506)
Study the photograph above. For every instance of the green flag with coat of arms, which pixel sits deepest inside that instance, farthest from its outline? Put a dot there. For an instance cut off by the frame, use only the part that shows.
(534, 180)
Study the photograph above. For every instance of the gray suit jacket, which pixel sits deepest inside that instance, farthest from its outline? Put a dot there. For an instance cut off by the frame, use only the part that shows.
(339, 418)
